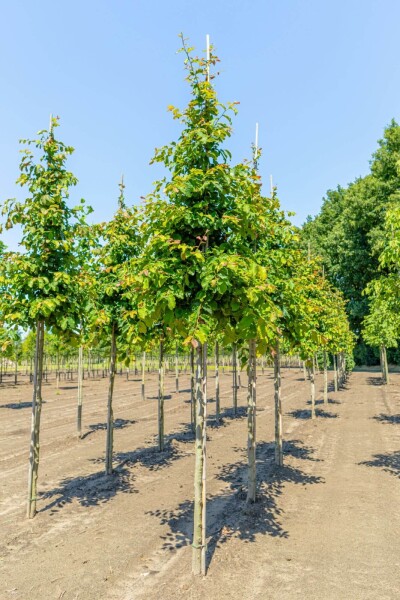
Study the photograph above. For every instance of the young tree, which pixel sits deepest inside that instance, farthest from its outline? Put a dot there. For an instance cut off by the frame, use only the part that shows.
(40, 284)
(121, 243)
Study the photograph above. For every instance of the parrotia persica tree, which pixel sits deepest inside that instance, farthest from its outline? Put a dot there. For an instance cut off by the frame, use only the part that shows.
(120, 243)
(40, 283)
(197, 274)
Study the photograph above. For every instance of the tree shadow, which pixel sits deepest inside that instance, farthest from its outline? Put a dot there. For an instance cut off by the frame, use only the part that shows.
(118, 424)
(389, 462)
(17, 405)
(393, 419)
(330, 401)
(228, 514)
(89, 490)
(375, 381)
(166, 397)
(225, 416)
(306, 414)
(151, 457)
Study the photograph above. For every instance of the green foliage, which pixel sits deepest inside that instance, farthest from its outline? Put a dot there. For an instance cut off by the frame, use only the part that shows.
(41, 282)
(348, 232)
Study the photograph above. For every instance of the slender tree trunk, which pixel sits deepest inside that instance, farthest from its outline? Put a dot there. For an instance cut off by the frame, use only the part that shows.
(143, 375)
(110, 414)
(251, 425)
(312, 382)
(278, 409)
(35, 424)
(161, 399)
(217, 400)
(234, 378)
(335, 373)
(385, 365)
(325, 379)
(80, 391)
(304, 371)
(192, 392)
(16, 370)
(199, 518)
(176, 370)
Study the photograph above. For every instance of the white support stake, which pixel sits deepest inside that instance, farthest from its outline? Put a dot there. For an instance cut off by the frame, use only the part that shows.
(208, 56)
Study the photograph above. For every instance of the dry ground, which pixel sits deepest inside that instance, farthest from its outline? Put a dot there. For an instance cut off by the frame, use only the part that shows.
(326, 526)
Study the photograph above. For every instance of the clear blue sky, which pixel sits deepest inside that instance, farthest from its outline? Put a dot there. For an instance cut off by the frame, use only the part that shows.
(322, 77)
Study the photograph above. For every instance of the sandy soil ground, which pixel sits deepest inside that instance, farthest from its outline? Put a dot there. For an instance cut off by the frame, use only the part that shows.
(326, 525)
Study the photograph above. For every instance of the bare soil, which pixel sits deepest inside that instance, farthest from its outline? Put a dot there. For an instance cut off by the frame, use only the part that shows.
(325, 526)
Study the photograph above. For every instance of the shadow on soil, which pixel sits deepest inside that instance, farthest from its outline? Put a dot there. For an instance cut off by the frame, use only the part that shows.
(319, 402)
(118, 424)
(17, 405)
(99, 488)
(392, 419)
(306, 414)
(89, 490)
(228, 514)
(389, 462)
(375, 381)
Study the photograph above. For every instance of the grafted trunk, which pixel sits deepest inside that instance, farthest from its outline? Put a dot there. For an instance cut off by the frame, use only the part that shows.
(161, 398)
(278, 409)
(110, 412)
(199, 517)
(217, 400)
(35, 423)
(251, 425)
(80, 392)
(325, 379)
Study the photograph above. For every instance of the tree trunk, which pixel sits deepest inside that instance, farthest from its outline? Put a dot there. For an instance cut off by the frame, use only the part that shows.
(234, 378)
(110, 414)
(192, 392)
(217, 401)
(385, 365)
(199, 517)
(161, 399)
(312, 382)
(35, 424)
(251, 425)
(176, 370)
(335, 373)
(143, 375)
(278, 409)
(16, 370)
(80, 391)
(325, 379)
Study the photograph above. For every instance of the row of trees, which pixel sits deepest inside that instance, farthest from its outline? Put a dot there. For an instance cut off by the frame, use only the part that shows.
(350, 233)
(208, 260)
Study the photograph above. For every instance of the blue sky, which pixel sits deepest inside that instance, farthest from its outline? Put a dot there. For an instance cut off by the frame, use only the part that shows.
(321, 77)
